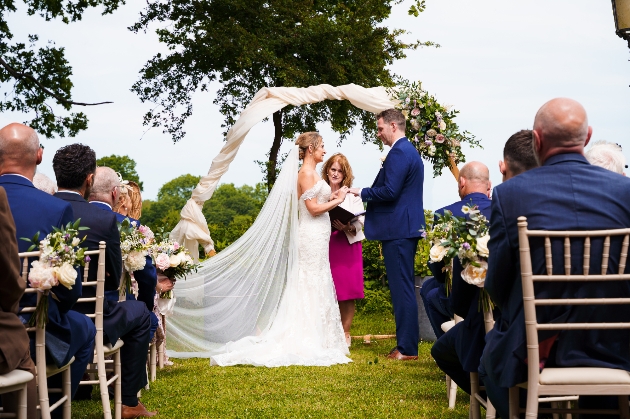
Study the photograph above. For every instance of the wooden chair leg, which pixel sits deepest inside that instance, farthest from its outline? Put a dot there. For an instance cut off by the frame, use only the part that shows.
(624, 407)
(161, 355)
(66, 378)
(452, 395)
(475, 409)
(514, 402)
(491, 412)
(21, 408)
(448, 387)
(152, 361)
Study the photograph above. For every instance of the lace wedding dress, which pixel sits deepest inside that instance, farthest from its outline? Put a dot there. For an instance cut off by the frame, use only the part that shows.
(307, 328)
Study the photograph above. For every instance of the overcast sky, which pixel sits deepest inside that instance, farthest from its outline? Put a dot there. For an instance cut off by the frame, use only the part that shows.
(499, 62)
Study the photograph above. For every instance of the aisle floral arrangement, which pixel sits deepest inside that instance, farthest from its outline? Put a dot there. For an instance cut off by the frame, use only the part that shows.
(135, 242)
(431, 127)
(60, 255)
(173, 261)
(467, 238)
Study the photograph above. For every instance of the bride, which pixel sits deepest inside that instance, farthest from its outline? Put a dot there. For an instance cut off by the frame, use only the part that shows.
(269, 299)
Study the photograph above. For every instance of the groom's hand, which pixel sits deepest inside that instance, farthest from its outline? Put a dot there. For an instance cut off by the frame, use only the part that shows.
(355, 191)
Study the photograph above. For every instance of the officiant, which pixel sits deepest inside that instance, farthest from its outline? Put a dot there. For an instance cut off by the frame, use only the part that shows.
(346, 253)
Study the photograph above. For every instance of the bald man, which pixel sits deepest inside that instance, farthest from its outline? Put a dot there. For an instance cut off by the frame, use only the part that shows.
(473, 187)
(565, 193)
(68, 333)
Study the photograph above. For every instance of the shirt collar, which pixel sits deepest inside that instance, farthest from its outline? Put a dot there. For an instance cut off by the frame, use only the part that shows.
(102, 203)
(69, 191)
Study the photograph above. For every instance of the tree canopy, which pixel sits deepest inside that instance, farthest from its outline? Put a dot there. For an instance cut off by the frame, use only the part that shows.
(35, 77)
(248, 45)
(124, 165)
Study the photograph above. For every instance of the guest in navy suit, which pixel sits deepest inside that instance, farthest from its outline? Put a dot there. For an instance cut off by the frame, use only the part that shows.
(147, 277)
(473, 187)
(395, 217)
(75, 167)
(68, 333)
(565, 193)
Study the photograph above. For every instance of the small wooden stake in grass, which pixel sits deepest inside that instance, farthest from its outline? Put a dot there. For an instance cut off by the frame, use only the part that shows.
(367, 339)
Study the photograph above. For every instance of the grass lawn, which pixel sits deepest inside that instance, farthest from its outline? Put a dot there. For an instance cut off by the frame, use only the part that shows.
(370, 387)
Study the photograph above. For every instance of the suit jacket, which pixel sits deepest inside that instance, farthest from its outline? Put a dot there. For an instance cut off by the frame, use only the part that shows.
(15, 342)
(566, 193)
(394, 202)
(147, 277)
(102, 227)
(36, 211)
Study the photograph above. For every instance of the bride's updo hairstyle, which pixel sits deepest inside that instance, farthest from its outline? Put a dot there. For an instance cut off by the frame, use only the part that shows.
(307, 139)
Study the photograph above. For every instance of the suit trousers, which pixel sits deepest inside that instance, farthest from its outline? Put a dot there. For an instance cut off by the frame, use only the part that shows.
(445, 355)
(434, 297)
(134, 319)
(399, 258)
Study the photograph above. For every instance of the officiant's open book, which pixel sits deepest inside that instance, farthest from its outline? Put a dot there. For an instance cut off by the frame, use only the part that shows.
(343, 215)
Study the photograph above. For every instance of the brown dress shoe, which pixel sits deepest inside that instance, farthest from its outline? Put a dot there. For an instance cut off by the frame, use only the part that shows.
(136, 411)
(395, 354)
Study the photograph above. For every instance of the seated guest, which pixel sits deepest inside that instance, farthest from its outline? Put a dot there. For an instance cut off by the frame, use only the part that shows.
(75, 167)
(473, 187)
(457, 353)
(68, 333)
(607, 155)
(14, 345)
(44, 183)
(565, 193)
(106, 181)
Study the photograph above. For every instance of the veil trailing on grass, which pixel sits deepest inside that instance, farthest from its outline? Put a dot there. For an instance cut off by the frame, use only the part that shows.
(236, 293)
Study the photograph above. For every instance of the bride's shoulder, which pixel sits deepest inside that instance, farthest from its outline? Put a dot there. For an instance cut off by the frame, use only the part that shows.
(309, 182)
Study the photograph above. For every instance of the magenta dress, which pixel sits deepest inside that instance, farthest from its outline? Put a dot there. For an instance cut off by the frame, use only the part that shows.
(346, 264)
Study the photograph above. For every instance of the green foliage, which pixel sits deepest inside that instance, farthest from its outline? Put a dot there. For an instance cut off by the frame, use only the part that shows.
(35, 78)
(124, 165)
(249, 45)
(172, 196)
(421, 260)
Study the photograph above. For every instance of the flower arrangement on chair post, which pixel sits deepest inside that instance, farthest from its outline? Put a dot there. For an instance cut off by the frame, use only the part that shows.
(431, 127)
(60, 255)
(172, 260)
(445, 244)
(135, 241)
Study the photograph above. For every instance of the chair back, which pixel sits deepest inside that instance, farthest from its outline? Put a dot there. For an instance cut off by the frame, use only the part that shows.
(99, 284)
(531, 300)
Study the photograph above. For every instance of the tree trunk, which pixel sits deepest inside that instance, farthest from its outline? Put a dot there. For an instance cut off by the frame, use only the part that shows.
(275, 149)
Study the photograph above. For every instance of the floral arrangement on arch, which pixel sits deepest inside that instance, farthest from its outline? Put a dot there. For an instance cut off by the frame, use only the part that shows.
(431, 127)
(466, 238)
(172, 260)
(60, 255)
(135, 242)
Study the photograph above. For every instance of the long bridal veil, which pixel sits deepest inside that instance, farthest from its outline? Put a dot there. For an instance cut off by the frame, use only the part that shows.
(236, 293)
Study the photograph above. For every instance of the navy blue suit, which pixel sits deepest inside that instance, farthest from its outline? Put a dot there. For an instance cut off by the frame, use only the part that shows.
(566, 193)
(395, 217)
(438, 305)
(458, 351)
(128, 320)
(68, 333)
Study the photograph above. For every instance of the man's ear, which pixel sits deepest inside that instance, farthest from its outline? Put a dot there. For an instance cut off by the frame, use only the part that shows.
(537, 142)
(588, 136)
(40, 155)
(502, 167)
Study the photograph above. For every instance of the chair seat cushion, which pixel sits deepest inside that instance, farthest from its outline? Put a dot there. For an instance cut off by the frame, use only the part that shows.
(446, 326)
(15, 377)
(51, 369)
(560, 376)
(108, 348)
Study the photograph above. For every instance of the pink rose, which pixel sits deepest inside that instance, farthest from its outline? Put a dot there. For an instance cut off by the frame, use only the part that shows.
(175, 245)
(439, 138)
(162, 262)
(415, 112)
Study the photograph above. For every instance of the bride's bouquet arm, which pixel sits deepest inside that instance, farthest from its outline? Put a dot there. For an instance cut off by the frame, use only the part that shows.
(316, 208)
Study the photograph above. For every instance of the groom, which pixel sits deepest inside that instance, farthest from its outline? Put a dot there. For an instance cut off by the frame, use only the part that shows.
(395, 217)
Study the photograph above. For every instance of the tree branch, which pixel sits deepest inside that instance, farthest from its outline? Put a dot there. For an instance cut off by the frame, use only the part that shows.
(22, 76)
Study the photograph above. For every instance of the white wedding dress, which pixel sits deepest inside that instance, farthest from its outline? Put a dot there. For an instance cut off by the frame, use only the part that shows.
(268, 299)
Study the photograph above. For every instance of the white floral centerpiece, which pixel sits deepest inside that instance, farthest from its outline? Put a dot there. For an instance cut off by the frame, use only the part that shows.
(431, 127)
(60, 255)
(135, 241)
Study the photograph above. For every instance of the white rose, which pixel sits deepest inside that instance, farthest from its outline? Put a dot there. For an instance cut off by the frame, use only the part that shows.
(76, 241)
(175, 260)
(135, 261)
(66, 275)
(475, 275)
(432, 150)
(437, 253)
(482, 246)
(442, 125)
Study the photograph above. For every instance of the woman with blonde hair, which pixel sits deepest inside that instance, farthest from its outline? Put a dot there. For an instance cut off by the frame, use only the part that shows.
(346, 253)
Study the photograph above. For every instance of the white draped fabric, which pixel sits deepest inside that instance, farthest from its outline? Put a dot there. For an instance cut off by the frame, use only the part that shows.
(237, 292)
(192, 227)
